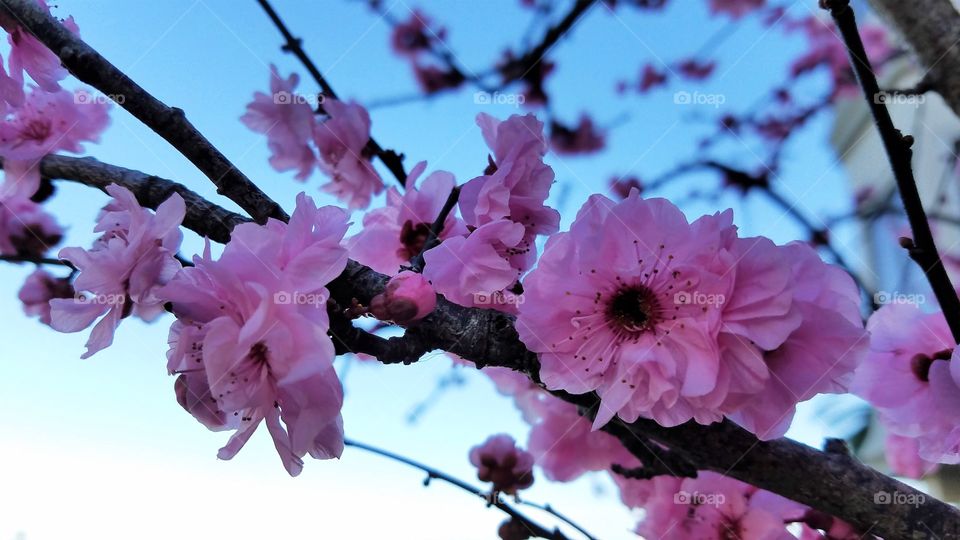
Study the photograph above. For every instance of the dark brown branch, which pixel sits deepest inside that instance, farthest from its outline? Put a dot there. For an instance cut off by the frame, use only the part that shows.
(518, 68)
(922, 249)
(829, 482)
(535, 529)
(203, 216)
(19, 259)
(169, 122)
(294, 45)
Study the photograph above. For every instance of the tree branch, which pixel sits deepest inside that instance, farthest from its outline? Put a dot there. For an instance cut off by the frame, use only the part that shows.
(294, 45)
(830, 482)
(922, 248)
(535, 529)
(169, 122)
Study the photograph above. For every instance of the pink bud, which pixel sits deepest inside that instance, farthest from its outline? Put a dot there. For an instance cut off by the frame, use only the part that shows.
(500, 461)
(408, 297)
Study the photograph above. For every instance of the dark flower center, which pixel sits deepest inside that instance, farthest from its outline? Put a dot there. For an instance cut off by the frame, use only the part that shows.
(920, 363)
(634, 308)
(414, 237)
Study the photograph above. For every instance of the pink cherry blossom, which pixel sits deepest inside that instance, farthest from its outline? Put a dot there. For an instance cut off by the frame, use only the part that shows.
(903, 457)
(396, 233)
(341, 141)
(28, 55)
(710, 506)
(250, 342)
(602, 308)
(50, 122)
(906, 377)
(433, 79)
(39, 288)
(521, 181)
(26, 229)
(287, 121)
(407, 298)
(819, 356)
(585, 138)
(124, 268)
(482, 269)
(499, 461)
(415, 35)
(565, 446)
(735, 8)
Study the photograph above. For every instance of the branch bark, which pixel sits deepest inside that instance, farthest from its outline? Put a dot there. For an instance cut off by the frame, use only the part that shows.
(170, 123)
(932, 29)
(830, 482)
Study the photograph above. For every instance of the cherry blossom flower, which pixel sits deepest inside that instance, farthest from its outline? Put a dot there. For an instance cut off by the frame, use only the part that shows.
(906, 377)
(499, 461)
(121, 273)
(622, 186)
(396, 233)
(250, 342)
(28, 55)
(685, 320)
(903, 457)
(602, 308)
(342, 140)
(433, 79)
(735, 8)
(481, 269)
(26, 229)
(521, 181)
(585, 138)
(650, 78)
(712, 506)
(287, 121)
(414, 35)
(695, 69)
(407, 298)
(39, 288)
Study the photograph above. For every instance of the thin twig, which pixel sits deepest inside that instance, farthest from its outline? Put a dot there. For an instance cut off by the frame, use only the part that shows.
(533, 527)
(294, 45)
(18, 259)
(922, 248)
(433, 237)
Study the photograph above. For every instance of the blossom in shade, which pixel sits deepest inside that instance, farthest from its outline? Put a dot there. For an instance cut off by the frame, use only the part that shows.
(735, 8)
(499, 461)
(903, 457)
(407, 298)
(396, 233)
(695, 69)
(622, 186)
(650, 78)
(413, 36)
(433, 79)
(906, 376)
(342, 141)
(287, 121)
(250, 343)
(39, 288)
(26, 229)
(584, 138)
(121, 273)
(715, 507)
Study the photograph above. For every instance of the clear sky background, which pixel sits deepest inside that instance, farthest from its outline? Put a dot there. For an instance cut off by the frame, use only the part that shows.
(99, 449)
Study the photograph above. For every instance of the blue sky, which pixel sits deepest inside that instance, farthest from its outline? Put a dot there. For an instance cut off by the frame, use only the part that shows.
(100, 449)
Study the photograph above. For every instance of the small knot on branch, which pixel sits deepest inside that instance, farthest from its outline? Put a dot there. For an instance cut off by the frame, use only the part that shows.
(837, 447)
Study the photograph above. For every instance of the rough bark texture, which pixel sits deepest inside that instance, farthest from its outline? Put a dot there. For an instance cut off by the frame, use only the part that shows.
(170, 123)
(932, 29)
